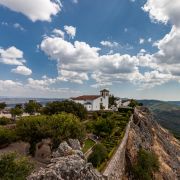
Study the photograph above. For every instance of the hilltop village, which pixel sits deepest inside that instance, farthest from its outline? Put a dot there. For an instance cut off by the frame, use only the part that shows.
(85, 136)
(35, 131)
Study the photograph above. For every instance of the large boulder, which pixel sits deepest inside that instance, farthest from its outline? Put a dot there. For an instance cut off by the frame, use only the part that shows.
(67, 164)
(74, 143)
(43, 151)
(63, 150)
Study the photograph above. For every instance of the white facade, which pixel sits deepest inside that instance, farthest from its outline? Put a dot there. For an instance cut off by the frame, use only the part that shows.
(126, 103)
(94, 102)
(118, 103)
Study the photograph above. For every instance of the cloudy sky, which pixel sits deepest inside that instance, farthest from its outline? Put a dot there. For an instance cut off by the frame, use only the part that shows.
(53, 48)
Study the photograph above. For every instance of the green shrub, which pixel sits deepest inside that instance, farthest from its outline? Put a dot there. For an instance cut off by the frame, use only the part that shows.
(32, 107)
(147, 164)
(65, 106)
(104, 127)
(14, 167)
(87, 145)
(98, 155)
(4, 121)
(2, 106)
(6, 136)
(59, 127)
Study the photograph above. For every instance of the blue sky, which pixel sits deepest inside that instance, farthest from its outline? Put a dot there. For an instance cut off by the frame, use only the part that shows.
(67, 48)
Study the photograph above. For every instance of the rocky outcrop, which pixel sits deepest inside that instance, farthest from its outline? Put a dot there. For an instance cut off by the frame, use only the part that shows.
(68, 163)
(148, 134)
(43, 151)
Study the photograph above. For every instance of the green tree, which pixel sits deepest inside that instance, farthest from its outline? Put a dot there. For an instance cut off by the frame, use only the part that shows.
(2, 106)
(65, 106)
(20, 106)
(58, 127)
(16, 112)
(4, 121)
(147, 164)
(112, 100)
(98, 155)
(14, 167)
(104, 126)
(6, 136)
(133, 103)
(32, 107)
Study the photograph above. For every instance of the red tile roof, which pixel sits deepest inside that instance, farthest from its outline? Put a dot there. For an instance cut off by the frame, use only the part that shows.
(86, 97)
(104, 90)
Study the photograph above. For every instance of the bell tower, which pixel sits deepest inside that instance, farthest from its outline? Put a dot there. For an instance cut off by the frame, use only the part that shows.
(105, 98)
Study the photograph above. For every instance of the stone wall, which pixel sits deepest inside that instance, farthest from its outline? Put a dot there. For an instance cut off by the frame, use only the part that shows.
(116, 167)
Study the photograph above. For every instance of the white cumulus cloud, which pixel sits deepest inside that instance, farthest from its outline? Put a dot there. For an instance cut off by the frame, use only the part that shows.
(34, 9)
(23, 70)
(109, 44)
(11, 56)
(18, 26)
(70, 30)
(58, 32)
(141, 41)
(164, 10)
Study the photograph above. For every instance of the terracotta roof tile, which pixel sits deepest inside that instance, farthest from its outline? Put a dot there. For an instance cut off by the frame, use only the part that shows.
(86, 97)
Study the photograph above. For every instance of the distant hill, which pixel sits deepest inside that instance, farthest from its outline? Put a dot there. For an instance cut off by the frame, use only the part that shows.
(166, 113)
(12, 101)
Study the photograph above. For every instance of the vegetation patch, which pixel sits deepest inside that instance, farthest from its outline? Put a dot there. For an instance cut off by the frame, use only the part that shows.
(88, 143)
(98, 155)
(6, 136)
(147, 164)
(58, 127)
(109, 128)
(5, 121)
(13, 166)
(65, 106)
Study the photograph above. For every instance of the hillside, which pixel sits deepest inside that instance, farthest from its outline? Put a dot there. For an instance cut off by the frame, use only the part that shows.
(146, 134)
(166, 113)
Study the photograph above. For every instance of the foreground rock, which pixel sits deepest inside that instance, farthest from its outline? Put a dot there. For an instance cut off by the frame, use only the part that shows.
(68, 163)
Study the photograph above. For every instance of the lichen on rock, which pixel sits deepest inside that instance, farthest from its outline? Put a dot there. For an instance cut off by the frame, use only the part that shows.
(68, 163)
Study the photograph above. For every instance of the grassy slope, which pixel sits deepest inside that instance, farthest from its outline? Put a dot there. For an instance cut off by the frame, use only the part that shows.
(166, 113)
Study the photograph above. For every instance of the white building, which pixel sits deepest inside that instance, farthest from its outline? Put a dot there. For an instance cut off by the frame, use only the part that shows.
(118, 102)
(94, 102)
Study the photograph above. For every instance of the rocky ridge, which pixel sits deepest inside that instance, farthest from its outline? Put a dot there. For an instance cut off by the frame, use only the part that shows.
(67, 163)
(147, 134)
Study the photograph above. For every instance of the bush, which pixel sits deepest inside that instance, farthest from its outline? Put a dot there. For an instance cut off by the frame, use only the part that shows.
(6, 136)
(98, 155)
(58, 127)
(32, 107)
(147, 164)
(2, 105)
(4, 121)
(16, 112)
(104, 127)
(65, 106)
(14, 167)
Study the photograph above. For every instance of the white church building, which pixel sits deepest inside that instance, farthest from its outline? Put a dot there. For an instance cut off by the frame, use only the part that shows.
(94, 102)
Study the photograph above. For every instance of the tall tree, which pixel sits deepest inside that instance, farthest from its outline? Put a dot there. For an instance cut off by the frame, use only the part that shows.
(16, 112)
(2, 106)
(32, 107)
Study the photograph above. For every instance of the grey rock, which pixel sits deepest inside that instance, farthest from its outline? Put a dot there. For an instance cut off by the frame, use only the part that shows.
(43, 151)
(75, 144)
(63, 150)
(146, 133)
(67, 166)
